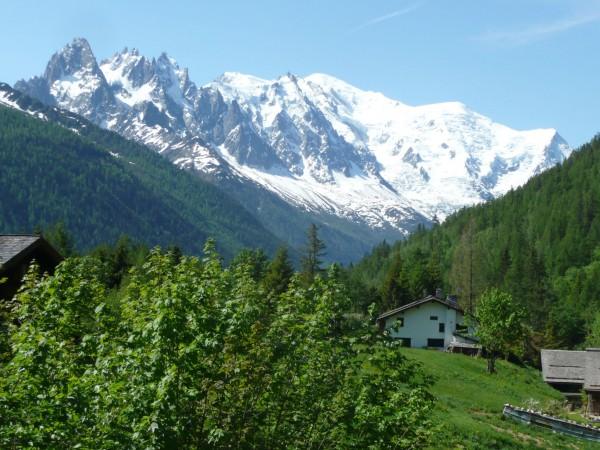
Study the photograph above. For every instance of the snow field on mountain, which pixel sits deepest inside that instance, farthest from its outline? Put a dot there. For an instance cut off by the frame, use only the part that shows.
(316, 142)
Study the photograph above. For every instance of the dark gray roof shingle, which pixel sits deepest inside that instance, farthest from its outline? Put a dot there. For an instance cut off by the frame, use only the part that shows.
(12, 245)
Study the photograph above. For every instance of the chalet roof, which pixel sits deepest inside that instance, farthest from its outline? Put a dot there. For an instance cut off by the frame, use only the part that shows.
(14, 247)
(564, 366)
(430, 298)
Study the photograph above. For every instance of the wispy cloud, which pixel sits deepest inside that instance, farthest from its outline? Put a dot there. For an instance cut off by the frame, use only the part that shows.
(539, 31)
(376, 20)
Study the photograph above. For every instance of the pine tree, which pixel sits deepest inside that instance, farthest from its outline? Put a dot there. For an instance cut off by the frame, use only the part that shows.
(61, 239)
(279, 272)
(311, 260)
(422, 275)
(503, 265)
(465, 273)
(255, 261)
(434, 272)
(395, 290)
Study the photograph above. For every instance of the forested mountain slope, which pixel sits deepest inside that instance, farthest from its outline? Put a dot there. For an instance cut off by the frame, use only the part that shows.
(540, 242)
(56, 166)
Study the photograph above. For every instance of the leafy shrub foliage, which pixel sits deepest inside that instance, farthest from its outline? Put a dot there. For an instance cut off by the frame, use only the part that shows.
(189, 354)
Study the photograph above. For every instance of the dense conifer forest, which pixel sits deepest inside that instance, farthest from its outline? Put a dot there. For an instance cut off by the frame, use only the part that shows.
(102, 186)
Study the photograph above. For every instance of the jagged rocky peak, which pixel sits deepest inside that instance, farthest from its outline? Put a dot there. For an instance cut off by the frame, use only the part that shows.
(127, 65)
(75, 82)
(73, 58)
(138, 80)
(36, 87)
(283, 112)
(287, 85)
(174, 79)
(235, 85)
(70, 73)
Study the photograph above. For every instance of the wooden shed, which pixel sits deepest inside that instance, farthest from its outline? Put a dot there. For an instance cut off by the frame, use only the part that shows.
(564, 370)
(574, 372)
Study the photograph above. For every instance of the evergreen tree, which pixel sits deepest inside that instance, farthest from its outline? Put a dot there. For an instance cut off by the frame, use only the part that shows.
(255, 261)
(313, 252)
(395, 290)
(424, 275)
(434, 273)
(465, 273)
(121, 257)
(279, 272)
(175, 252)
(503, 265)
(565, 327)
(61, 239)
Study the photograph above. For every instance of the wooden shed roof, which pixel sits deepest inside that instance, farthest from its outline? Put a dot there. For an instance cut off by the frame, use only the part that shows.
(563, 366)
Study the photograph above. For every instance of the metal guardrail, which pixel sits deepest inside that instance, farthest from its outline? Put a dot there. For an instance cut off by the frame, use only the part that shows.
(569, 427)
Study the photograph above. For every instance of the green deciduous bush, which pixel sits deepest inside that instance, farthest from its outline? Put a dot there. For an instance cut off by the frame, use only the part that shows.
(195, 355)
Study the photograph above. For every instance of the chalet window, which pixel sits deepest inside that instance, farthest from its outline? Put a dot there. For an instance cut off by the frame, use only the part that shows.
(405, 342)
(442, 327)
(433, 318)
(438, 343)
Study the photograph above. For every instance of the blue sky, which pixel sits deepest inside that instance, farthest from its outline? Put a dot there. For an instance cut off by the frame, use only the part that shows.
(524, 63)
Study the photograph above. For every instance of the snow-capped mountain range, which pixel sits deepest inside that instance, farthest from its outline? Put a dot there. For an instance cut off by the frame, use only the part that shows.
(316, 142)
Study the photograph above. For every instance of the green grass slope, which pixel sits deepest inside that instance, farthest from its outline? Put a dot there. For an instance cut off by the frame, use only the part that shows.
(470, 402)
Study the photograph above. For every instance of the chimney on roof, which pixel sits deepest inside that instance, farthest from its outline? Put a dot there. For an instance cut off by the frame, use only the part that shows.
(439, 294)
(452, 298)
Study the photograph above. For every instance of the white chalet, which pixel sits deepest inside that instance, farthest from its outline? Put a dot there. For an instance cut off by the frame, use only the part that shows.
(430, 322)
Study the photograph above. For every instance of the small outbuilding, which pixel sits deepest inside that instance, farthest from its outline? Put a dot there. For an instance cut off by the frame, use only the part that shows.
(16, 254)
(431, 322)
(574, 372)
